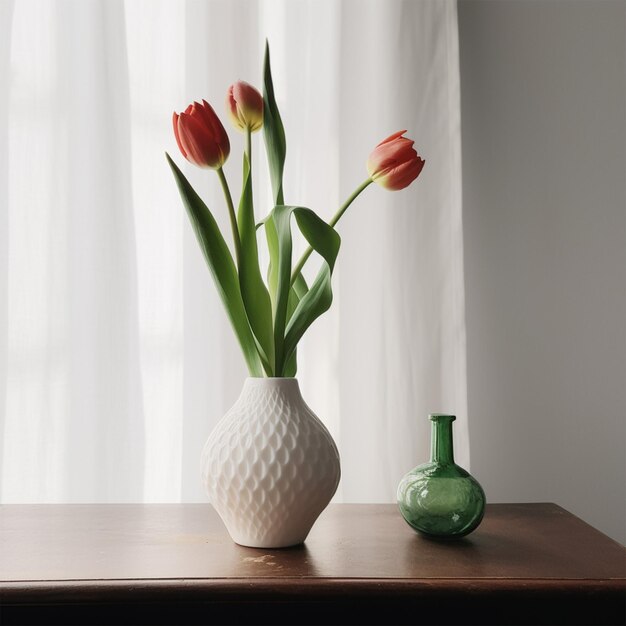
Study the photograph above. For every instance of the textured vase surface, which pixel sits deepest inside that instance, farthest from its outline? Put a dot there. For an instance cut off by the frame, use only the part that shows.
(270, 466)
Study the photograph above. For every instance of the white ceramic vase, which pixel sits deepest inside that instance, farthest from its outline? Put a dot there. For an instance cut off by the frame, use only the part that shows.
(270, 466)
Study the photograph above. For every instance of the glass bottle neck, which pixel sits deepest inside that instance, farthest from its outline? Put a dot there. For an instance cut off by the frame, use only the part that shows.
(441, 446)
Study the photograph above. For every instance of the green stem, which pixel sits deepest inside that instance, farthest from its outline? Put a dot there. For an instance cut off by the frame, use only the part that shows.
(333, 221)
(249, 147)
(231, 213)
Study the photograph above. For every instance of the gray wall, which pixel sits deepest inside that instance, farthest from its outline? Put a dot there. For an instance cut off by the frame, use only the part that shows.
(544, 169)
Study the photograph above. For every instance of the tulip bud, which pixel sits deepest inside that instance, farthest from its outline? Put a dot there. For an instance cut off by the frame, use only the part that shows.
(393, 163)
(201, 136)
(245, 106)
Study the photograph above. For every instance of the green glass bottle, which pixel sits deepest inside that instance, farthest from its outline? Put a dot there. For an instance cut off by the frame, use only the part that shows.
(440, 499)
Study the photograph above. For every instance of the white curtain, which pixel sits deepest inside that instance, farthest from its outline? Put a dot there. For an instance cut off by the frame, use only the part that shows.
(116, 358)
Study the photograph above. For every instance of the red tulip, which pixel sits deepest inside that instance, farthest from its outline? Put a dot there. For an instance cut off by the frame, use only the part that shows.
(201, 136)
(393, 163)
(245, 106)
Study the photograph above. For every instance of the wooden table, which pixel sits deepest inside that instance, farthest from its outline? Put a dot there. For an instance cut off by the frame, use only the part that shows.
(175, 564)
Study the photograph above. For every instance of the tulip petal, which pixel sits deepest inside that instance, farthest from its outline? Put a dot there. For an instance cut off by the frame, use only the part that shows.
(207, 114)
(402, 175)
(175, 124)
(217, 129)
(231, 108)
(201, 148)
(392, 137)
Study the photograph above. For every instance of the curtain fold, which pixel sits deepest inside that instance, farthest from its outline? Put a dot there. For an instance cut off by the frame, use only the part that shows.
(401, 326)
(115, 354)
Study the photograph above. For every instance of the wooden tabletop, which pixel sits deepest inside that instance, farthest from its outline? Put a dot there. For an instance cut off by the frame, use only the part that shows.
(60, 555)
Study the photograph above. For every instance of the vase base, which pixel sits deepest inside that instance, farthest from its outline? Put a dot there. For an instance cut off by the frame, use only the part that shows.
(443, 538)
(268, 545)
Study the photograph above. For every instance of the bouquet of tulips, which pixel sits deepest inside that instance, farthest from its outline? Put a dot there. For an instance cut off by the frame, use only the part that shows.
(270, 318)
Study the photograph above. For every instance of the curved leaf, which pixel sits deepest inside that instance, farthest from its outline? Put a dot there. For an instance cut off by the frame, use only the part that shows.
(222, 266)
(273, 131)
(291, 366)
(272, 270)
(279, 226)
(325, 240)
(255, 296)
(298, 289)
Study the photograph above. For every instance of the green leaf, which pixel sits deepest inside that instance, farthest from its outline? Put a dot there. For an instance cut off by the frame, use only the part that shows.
(298, 290)
(300, 287)
(272, 269)
(280, 226)
(291, 366)
(324, 240)
(295, 293)
(222, 267)
(276, 148)
(273, 131)
(255, 296)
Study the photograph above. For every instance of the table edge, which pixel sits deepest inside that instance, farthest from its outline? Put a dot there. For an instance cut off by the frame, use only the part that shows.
(208, 590)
